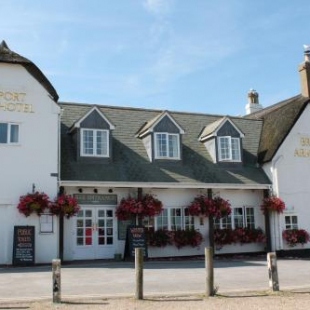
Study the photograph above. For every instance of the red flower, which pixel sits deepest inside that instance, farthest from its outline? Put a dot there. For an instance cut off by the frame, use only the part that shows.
(147, 206)
(295, 236)
(204, 206)
(35, 202)
(272, 204)
(65, 205)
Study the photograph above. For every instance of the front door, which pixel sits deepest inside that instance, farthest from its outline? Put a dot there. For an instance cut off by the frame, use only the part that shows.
(95, 233)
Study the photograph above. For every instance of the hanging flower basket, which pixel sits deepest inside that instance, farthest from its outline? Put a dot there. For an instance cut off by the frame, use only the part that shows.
(204, 206)
(65, 205)
(272, 204)
(33, 203)
(295, 236)
(130, 207)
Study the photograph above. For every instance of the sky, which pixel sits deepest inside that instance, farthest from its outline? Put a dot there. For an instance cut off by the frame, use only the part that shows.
(179, 55)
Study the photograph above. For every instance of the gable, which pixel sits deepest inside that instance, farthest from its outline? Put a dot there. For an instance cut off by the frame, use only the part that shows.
(227, 129)
(166, 125)
(94, 120)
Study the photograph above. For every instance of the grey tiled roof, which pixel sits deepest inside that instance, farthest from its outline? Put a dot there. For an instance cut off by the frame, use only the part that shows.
(278, 121)
(8, 56)
(129, 161)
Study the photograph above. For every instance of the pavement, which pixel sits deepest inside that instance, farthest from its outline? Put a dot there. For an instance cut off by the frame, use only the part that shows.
(112, 279)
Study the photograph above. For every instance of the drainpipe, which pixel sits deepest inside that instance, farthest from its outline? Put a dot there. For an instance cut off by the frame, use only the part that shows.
(278, 245)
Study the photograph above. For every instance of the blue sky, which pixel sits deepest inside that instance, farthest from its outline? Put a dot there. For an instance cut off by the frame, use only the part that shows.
(199, 55)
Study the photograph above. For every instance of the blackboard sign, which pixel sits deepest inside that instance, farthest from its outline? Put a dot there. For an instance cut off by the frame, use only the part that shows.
(135, 239)
(23, 245)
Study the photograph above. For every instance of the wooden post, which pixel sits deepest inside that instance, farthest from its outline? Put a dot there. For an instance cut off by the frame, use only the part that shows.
(273, 271)
(56, 264)
(267, 225)
(139, 272)
(209, 272)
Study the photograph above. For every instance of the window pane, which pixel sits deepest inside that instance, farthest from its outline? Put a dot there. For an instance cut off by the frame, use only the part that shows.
(238, 217)
(250, 222)
(102, 145)
(161, 145)
(176, 218)
(173, 146)
(88, 145)
(162, 220)
(3, 133)
(14, 133)
(224, 148)
(226, 222)
(235, 149)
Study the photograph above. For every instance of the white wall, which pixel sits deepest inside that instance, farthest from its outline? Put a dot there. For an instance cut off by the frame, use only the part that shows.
(32, 160)
(289, 171)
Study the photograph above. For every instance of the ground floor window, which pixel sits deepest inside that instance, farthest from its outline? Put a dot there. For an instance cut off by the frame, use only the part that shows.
(171, 219)
(240, 217)
(291, 222)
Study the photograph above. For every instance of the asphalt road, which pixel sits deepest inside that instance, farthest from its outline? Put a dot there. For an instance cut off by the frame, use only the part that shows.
(160, 278)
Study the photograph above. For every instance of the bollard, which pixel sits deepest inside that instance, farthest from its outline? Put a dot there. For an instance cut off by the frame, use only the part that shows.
(56, 264)
(139, 272)
(273, 271)
(209, 272)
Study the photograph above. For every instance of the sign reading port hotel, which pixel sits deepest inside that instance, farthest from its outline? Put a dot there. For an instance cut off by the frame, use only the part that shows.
(12, 101)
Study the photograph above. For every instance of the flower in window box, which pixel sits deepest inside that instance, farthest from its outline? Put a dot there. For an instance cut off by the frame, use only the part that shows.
(65, 205)
(33, 203)
(159, 238)
(272, 204)
(186, 237)
(204, 206)
(295, 236)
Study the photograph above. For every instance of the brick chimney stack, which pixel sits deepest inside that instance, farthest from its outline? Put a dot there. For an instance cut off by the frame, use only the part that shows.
(253, 103)
(304, 71)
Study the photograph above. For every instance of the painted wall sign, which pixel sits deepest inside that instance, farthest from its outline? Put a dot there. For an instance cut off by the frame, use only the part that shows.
(96, 199)
(23, 245)
(304, 149)
(12, 101)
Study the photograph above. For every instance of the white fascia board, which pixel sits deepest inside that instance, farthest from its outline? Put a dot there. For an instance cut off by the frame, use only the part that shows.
(163, 185)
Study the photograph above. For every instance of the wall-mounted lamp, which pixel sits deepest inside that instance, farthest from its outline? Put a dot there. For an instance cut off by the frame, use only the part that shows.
(110, 190)
(80, 190)
(95, 190)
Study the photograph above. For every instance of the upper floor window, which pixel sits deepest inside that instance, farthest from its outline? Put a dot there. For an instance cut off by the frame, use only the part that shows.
(94, 142)
(167, 145)
(9, 133)
(229, 149)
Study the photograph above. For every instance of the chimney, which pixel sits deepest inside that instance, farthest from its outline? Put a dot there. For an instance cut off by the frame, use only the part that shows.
(304, 72)
(253, 103)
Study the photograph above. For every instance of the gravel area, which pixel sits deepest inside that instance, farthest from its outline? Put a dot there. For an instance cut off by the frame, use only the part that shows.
(253, 301)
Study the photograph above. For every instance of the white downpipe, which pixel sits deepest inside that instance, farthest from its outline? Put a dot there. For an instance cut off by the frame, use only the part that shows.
(277, 240)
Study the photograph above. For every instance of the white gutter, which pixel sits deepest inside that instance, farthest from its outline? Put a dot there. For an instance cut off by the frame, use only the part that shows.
(162, 185)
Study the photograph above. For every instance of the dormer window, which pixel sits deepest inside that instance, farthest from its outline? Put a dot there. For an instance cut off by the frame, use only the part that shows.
(223, 140)
(161, 137)
(229, 149)
(94, 133)
(94, 142)
(167, 145)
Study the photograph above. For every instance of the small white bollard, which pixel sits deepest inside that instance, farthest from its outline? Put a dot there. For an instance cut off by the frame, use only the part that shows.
(273, 271)
(56, 268)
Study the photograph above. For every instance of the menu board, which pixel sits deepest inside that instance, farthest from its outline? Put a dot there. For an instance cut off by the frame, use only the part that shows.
(135, 239)
(23, 245)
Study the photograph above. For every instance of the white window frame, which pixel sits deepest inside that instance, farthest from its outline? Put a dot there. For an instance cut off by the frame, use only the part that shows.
(289, 222)
(246, 219)
(9, 130)
(229, 153)
(168, 145)
(175, 218)
(94, 143)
